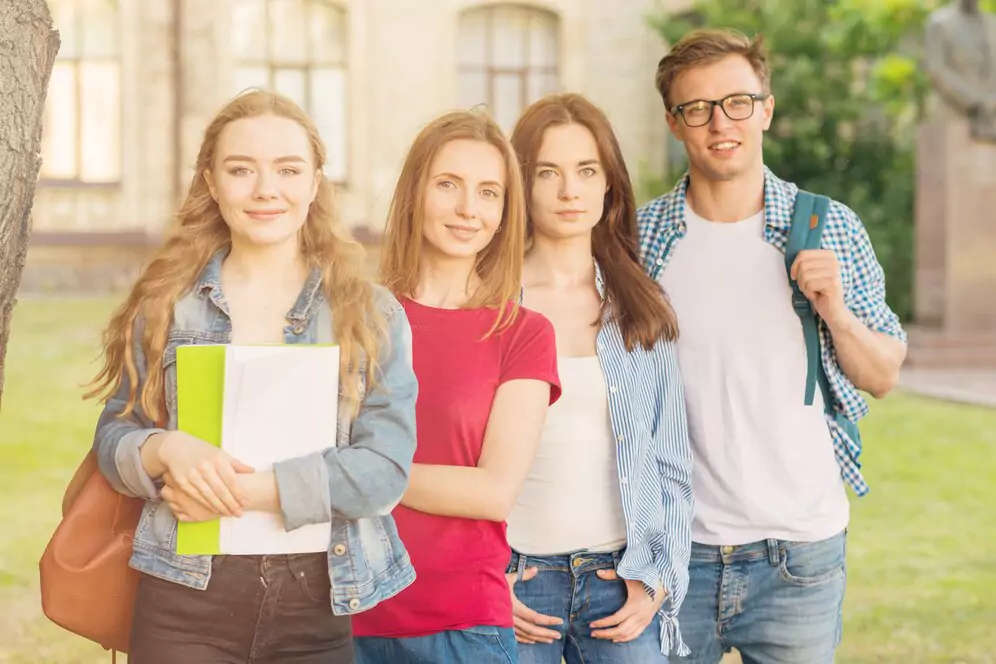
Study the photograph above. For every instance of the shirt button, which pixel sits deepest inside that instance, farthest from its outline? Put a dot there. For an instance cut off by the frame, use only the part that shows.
(620, 438)
(660, 261)
(623, 480)
(613, 389)
(339, 549)
(354, 604)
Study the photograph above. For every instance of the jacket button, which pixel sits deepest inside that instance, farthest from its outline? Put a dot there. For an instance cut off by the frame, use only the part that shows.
(339, 549)
(354, 604)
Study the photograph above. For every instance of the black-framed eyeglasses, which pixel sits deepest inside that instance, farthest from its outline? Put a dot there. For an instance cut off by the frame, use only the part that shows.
(699, 112)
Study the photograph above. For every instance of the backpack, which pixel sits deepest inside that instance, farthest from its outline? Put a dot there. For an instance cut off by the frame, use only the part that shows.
(808, 221)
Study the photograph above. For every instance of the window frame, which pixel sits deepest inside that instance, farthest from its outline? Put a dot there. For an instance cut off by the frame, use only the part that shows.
(77, 180)
(523, 73)
(273, 66)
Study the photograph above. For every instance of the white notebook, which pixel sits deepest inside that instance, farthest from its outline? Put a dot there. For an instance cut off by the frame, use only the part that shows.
(280, 402)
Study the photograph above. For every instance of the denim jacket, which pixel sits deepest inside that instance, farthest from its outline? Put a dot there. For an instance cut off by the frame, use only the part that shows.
(354, 483)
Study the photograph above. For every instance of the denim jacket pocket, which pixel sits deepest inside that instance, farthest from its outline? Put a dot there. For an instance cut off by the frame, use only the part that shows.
(169, 377)
(157, 526)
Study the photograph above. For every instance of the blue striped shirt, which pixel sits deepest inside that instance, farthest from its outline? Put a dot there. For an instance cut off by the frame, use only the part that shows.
(661, 224)
(647, 411)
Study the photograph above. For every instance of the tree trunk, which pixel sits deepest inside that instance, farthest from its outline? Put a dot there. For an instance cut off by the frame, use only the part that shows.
(28, 46)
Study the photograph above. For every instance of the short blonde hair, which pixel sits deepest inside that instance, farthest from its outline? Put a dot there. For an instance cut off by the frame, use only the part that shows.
(706, 46)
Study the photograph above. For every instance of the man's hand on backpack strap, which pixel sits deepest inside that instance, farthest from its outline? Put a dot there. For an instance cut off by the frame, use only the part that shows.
(817, 271)
(870, 359)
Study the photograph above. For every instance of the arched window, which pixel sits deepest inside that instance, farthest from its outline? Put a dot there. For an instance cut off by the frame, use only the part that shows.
(508, 57)
(81, 141)
(298, 48)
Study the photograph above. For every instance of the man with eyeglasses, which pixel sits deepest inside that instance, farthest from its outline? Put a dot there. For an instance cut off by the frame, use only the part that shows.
(771, 464)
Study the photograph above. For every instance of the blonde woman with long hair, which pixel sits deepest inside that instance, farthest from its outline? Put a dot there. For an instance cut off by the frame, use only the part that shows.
(258, 257)
(487, 372)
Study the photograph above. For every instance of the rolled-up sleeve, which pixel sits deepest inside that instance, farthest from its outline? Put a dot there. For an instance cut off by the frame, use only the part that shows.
(118, 440)
(866, 295)
(368, 477)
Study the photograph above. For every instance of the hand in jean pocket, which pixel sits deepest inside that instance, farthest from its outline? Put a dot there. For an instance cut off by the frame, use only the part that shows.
(628, 622)
(528, 623)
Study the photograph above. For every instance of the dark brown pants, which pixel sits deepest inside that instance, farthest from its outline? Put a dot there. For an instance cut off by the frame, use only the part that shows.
(256, 610)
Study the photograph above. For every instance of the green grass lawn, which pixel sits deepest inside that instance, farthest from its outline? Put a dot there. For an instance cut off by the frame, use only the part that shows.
(922, 547)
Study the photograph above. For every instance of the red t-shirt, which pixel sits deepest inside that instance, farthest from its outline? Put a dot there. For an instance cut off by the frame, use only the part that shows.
(459, 563)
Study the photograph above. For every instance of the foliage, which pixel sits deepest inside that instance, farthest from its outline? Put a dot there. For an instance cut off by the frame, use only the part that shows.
(850, 93)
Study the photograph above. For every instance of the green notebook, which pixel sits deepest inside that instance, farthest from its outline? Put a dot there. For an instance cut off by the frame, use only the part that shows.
(200, 394)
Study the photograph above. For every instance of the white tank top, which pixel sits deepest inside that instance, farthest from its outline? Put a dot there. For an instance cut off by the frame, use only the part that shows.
(571, 497)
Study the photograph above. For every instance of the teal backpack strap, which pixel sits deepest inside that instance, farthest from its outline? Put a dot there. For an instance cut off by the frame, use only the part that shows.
(808, 221)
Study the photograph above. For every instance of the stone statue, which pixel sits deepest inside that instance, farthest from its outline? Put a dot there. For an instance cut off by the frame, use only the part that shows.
(960, 59)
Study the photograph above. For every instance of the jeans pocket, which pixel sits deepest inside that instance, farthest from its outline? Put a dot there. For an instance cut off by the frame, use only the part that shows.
(812, 563)
(315, 586)
(493, 644)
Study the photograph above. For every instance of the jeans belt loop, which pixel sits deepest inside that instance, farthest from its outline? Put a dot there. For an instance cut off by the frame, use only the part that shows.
(521, 568)
(774, 553)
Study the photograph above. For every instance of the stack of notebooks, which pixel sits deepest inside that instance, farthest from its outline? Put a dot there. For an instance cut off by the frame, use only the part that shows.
(261, 404)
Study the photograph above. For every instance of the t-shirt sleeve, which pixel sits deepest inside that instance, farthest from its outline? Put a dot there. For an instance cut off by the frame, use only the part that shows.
(531, 352)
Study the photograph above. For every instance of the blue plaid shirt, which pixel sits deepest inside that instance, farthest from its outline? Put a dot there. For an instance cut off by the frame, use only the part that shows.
(661, 225)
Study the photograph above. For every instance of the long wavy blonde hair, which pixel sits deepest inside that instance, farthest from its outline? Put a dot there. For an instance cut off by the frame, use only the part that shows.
(199, 232)
(499, 265)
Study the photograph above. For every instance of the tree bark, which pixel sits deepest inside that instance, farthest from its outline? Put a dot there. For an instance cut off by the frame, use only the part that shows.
(28, 46)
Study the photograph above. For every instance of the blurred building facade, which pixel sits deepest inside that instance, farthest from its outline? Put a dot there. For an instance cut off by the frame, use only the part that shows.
(136, 81)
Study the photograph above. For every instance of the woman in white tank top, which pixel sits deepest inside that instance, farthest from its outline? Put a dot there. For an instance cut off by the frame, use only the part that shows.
(600, 533)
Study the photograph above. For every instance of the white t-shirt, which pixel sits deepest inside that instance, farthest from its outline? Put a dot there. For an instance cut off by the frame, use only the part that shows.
(764, 461)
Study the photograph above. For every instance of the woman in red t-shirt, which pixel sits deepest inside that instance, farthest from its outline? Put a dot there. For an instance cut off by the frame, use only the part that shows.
(487, 370)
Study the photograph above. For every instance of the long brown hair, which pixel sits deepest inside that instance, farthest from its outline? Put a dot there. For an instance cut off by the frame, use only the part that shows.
(199, 232)
(638, 305)
(499, 265)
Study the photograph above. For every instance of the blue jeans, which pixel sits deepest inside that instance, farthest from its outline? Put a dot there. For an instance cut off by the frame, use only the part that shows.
(566, 587)
(474, 645)
(776, 602)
